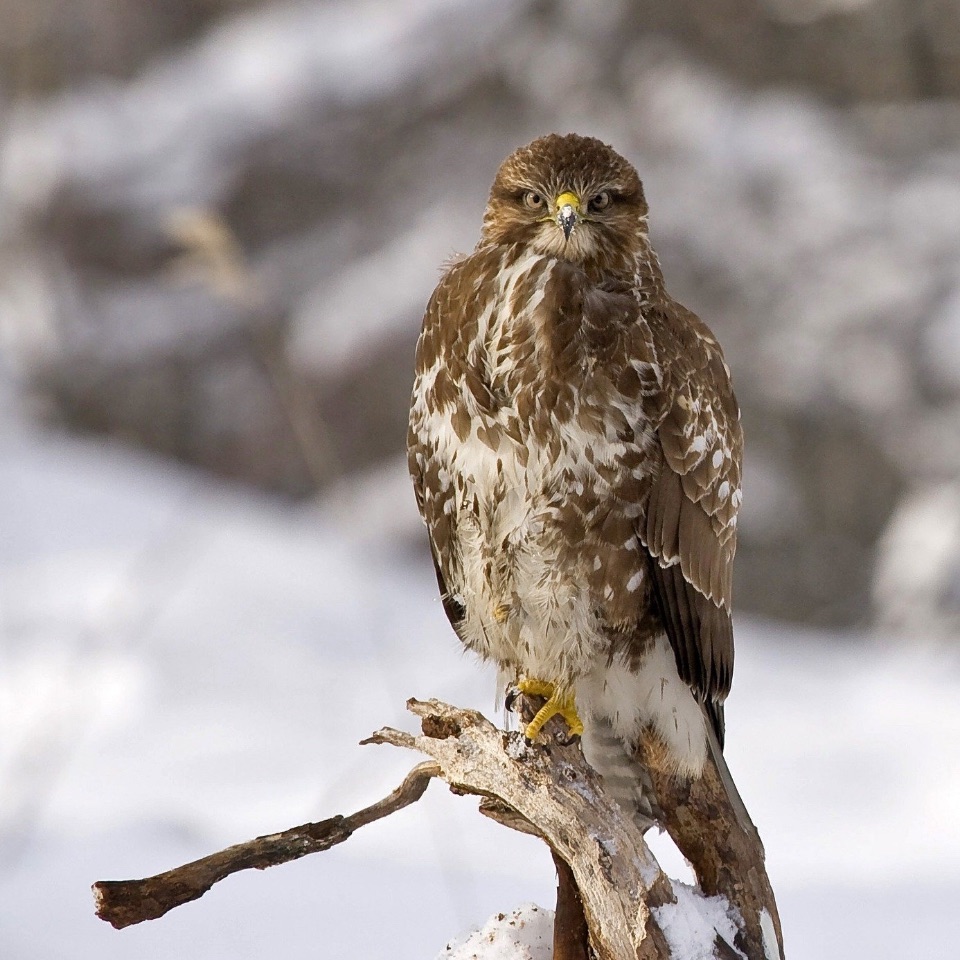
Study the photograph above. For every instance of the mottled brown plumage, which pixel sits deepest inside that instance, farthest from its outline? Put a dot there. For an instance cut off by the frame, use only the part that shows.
(575, 448)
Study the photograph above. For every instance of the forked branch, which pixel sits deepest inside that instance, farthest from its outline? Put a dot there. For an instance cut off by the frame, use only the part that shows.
(606, 871)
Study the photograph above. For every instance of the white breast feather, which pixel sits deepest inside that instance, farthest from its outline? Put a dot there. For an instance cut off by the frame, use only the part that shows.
(653, 694)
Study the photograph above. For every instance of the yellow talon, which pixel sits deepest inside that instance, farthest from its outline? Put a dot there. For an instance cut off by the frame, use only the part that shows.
(559, 703)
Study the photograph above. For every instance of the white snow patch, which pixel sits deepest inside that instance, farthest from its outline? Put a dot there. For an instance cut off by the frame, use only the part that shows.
(771, 948)
(692, 923)
(523, 934)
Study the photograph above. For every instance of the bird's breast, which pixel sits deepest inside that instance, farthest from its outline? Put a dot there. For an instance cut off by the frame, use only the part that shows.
(539, 460)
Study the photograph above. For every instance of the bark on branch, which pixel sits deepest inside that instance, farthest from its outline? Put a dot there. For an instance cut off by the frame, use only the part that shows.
(552, 787)
(612, 890)
(126, 902)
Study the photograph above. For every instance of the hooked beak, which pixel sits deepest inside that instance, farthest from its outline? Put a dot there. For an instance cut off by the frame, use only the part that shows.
(568, 206)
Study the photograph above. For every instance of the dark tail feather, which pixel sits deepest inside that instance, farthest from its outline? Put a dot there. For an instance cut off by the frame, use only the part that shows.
(736, 801)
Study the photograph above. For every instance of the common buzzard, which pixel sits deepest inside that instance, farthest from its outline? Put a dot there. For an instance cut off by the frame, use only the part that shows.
(575, 448)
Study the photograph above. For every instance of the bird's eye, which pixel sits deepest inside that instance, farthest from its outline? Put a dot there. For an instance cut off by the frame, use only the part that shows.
(600, 201)
(533, 200)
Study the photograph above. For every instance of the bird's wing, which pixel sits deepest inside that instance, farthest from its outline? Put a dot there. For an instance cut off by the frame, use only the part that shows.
(691, 518)
(454, 307)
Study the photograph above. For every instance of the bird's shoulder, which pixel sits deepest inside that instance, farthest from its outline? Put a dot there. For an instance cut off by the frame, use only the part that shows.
(701, 414)
(692, 514)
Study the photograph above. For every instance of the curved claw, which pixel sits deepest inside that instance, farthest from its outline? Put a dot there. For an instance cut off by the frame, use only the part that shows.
(526, 687)
(567, 739)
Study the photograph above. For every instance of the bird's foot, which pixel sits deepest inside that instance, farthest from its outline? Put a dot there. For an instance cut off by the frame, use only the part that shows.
(559, 703)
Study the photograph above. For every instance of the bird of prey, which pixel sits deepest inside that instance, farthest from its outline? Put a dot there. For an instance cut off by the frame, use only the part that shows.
(575, 448)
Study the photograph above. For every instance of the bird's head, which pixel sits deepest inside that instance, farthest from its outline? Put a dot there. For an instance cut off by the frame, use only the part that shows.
(571, 197)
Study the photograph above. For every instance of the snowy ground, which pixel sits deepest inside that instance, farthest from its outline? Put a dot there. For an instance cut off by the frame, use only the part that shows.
(184, 665)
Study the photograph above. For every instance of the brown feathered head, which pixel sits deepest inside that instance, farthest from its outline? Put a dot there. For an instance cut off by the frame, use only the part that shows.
(571, 197)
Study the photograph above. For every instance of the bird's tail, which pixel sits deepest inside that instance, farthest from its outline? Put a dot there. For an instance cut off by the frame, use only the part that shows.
(733, 795)
(627, 779)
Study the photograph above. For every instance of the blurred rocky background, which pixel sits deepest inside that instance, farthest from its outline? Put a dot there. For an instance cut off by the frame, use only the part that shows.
(220, 221)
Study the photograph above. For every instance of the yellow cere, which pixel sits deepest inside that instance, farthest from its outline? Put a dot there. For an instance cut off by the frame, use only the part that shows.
(568, 198)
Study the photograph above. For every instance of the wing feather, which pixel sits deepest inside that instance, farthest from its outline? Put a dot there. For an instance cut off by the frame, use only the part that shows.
(453, 311)
(670, 606)
(690, 526)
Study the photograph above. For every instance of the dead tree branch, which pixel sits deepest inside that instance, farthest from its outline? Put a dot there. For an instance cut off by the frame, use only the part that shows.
(553, 787)
(126, 902)
(727, 859)
(612, 893)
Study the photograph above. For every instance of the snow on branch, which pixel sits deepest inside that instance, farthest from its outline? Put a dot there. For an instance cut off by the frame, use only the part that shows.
(612, 892)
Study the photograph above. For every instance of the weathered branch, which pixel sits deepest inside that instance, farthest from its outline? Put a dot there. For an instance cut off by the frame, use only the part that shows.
(611, 893)
(125, 902)
(571, 935)
(727, 859)
(551, 786)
